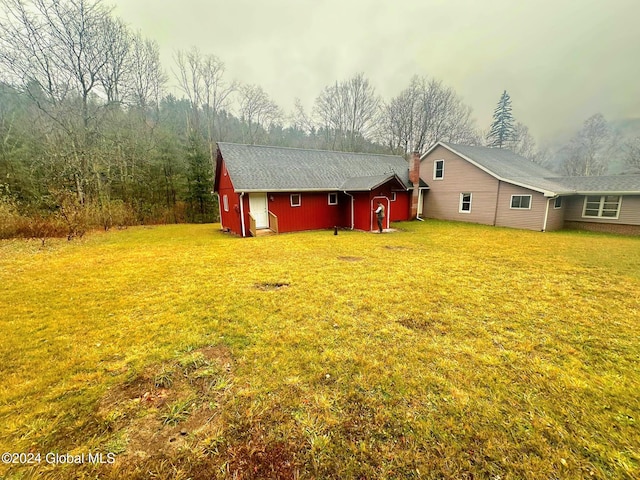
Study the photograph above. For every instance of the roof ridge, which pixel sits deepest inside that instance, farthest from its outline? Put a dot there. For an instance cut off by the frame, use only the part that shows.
(311, 149)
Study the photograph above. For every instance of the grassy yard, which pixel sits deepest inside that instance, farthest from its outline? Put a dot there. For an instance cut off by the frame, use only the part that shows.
(441, 351)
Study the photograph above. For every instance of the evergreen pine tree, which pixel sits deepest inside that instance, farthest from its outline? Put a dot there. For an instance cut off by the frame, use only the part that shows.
(202, 205)
(502, 130)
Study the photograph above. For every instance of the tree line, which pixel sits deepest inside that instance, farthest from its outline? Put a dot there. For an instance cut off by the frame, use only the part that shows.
(90, 135)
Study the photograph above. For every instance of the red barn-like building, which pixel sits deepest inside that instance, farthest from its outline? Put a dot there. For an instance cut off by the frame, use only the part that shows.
(291, 189)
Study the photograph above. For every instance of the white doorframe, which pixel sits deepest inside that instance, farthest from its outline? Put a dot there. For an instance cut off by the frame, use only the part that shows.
(387, 212)
(258, 208)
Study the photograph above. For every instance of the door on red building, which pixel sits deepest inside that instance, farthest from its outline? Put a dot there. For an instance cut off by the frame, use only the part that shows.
(258, 209)
(374, 206)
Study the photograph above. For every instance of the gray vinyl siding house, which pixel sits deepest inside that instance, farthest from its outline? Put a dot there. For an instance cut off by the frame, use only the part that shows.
(497, 187)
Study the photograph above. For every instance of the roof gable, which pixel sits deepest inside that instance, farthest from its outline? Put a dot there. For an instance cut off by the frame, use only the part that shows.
(266, 168)
(507, 166)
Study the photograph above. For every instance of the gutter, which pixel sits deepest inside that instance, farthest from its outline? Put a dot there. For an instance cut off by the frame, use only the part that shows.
(352, 218)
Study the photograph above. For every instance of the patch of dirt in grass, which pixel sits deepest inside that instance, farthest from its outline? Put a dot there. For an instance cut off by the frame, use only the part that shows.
(257, 447)
(422, 324)
(219, 354)
(149, 436)
(350, 259)
(257, 459)
(269, 286)
(159, 422)
(395, 247)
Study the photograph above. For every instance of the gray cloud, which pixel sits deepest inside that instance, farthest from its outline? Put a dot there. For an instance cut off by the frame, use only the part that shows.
(560, 60)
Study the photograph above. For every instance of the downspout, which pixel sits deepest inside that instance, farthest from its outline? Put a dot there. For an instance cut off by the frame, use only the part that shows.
(419, 205)
(495, 213)
(546, 215)
(219, 210)
(242, 214)
(352, 218)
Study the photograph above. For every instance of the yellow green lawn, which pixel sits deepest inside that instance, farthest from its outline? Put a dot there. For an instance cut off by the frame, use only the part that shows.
(443, 350)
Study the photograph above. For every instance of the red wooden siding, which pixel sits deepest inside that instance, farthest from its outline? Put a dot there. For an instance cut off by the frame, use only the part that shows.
(400, 208)
(231, 219)
(362, 210)
(313, 213)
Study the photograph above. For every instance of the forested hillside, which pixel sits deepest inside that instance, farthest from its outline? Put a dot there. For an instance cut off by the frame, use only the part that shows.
(94, 131)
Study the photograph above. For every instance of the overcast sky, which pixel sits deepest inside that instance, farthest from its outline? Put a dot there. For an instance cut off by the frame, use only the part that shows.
(560, 60)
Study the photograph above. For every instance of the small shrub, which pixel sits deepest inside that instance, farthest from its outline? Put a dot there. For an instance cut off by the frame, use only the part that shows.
(71, 212)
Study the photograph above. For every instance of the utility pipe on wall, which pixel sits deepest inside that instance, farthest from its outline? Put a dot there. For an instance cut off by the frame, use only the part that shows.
(352, 218)
(242, 213)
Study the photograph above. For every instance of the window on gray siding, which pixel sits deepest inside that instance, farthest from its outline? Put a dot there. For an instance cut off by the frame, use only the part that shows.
(557, 202)
(602, 206)
(465, 203)
(438, 169)
(521, 202)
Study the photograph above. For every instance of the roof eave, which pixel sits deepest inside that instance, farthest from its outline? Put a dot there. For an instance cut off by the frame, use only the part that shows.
(286, 190)
(606, 192)
(388, 179)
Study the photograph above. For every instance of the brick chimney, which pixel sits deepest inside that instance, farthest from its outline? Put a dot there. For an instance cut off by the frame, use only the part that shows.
(414, 177)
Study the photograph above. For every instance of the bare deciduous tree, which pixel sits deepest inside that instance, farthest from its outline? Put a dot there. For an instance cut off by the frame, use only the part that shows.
(347, 112)
(521, 141)
(257, 110)
(586, 153)
(57, 52)
(146, 79)
(201, 78)
(424, 113)
(631, 155)
(190, 80)
(118, 43)
(299, 119)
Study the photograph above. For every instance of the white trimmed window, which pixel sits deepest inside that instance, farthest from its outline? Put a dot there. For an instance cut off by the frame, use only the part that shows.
(465, 203)
(438, 170)
(296, 199)
(521, 202)
(602, 206)
(393, 196)
(557, 203)
(333, 199)
(225, 203)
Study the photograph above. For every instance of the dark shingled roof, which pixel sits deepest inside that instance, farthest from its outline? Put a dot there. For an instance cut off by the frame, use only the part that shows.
(628, 183)
(263, 168)
(512, 168)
